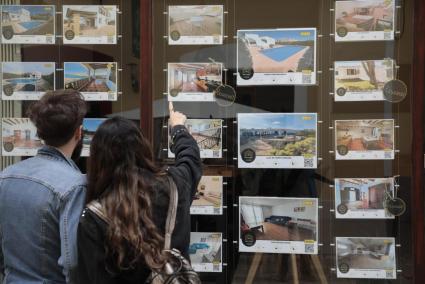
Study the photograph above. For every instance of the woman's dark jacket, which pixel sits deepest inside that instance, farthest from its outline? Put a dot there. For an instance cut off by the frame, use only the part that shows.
(93, 267)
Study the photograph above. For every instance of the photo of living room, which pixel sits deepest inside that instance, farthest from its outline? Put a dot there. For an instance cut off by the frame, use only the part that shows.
(362, 195)
(208, 197)
(19, 137)
(190, 81)
(278, 219)
(205, 251)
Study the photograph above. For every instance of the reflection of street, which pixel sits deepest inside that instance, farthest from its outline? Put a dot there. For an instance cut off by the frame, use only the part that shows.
(367, 261)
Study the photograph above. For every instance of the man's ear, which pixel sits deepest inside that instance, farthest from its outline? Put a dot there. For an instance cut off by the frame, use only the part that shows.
(78, 133)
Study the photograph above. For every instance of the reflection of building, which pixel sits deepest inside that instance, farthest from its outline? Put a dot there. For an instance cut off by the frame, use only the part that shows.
(22, 15)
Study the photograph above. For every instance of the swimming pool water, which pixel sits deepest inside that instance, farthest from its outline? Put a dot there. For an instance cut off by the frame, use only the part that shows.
(282, 53)
(22, 81)
(31, 25)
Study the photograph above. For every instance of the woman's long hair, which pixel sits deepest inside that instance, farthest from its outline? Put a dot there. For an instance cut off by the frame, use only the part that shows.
(119, 154)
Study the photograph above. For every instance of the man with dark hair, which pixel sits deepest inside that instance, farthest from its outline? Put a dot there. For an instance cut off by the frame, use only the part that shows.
(41, 198)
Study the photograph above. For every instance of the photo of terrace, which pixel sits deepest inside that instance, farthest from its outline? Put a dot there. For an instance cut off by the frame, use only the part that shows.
(28, 20)
(202, 20)
(209, 192)
(194, 77)
(90, 20)
(278, 219)
(28, 77)
(278, 134)
(362, 16)
(276, 51)
(358, 76)
(207, 132)
(365, 135)
(91, 76)
(366, 253)
(362, 193)
(19, 133)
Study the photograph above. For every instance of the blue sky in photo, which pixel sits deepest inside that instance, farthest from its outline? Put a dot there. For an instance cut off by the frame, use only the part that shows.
(285, 34)
(24, 67)
(34, 10)
(286, 121)
(92, 124)
(76, 69)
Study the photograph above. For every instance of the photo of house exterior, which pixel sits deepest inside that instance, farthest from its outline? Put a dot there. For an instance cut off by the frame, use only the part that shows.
(90, 24)
(19, 137)
(205, 251)
(28, 24)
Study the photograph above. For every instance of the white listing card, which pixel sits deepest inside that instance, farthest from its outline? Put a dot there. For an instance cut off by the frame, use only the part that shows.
(366, 257)
(276, 57)
(205, 251)
(19, 137)
(277, 140)
(208, 199)
(368, 139)
(278, 225)
(90, 126)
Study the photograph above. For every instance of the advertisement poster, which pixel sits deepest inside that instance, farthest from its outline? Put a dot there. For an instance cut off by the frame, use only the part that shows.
(28, 24)
(97, 81)
(362, 198)
(19, 137)
(277, 140)
(195, 24)
(27, 80)
(364, 20)
(208, 199)
(368, 257)
(368, 139)
(208, 135)
(278, 225)
(276, 57)
(90, 126)
(89, 24)
(205, 252)
(362, 80)
(193, 81)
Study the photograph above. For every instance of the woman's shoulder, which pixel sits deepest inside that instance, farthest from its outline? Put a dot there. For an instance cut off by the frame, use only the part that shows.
(91, 224)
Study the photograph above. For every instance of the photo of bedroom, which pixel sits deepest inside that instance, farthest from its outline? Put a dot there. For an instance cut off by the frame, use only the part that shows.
(208, 197)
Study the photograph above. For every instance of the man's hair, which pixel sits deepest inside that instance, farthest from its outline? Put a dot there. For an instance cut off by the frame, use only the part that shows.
(57, 115)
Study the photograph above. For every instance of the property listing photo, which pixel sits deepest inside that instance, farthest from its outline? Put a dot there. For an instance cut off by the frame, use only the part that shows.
(364, 20)
(91, 77)
(365, 139)
(90, 126)
(27, 80)
(263, 56)
(209, 196)
(362, 80)
(193, 81)
(19, 137)
(205, 251)
(362, 197)
(363, 257)
(195, 24)
(28, 23)
(88, 24)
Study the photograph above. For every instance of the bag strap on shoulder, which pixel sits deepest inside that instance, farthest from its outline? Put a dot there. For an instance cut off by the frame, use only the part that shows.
(98, 209)
(172, 213)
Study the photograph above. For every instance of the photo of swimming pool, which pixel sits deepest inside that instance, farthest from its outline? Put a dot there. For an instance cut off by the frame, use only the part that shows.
(31, 25)
(281, 53)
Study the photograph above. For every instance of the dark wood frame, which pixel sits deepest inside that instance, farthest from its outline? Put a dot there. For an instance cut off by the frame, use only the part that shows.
(418, 123)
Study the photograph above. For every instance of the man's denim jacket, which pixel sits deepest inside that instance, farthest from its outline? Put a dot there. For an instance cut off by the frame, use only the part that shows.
(41, 200)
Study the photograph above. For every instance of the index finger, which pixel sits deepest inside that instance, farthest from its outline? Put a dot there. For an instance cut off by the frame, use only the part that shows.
(170, 107)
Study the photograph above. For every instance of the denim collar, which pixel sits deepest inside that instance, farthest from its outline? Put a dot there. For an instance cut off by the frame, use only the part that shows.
(54, 153)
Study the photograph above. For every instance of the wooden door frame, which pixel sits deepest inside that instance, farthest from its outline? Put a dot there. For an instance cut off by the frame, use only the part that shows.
(417, 106)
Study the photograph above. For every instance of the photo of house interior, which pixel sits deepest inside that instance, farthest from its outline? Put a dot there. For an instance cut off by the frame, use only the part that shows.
(90, 20)
(91, 76)
(366, 253)
(19, 133)
(278, 219)
(28, 20)
(276, 51)
(361, 76)
(28, 77)
(361, 16)
(207, 133)
(362, 193)
(205, 248)
(202, 20)
(209, 192)
(90, 126)
(365, 135)
(194, 77)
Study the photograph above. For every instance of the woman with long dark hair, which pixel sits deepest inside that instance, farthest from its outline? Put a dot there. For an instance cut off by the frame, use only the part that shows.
(134, 193)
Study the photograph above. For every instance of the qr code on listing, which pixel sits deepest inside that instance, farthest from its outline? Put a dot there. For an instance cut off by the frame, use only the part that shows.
(308, 163)
(389, 274)
(309, 248)
(216, 154)
(388, 155)
(387, 35)
(216, 210)
(216, 268)
(49, 39)
(306, 79)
